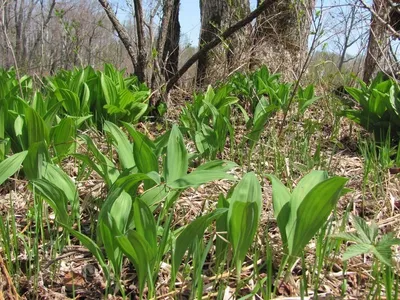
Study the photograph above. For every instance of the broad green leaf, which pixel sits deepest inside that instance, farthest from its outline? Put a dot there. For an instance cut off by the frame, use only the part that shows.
(305, 185)
(58, 177)
(243, 216)
(281, 202)
(200, 177)
(64, 137)
(144, 222)
(177, 156)
(146, 160)
(122, 143)
(313, 212)
(55, 197)
(70, 102)
(37, 128)
(109, 90)
(189, 235)
(11, 165)
(33, 163)
(130, 182)
(217, 165)
(140, 253)
(107, 231)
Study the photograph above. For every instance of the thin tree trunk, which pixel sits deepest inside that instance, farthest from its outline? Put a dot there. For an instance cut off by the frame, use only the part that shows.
(347, 43)
(141, 57)
(19, 13)
(122, 33)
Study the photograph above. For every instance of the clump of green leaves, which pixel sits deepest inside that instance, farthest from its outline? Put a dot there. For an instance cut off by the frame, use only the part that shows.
(302, 213)
(366, 240)
(378, 108)
(207, 120)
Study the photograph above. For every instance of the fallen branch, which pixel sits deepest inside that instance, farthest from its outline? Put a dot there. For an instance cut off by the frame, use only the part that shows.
(216, 41)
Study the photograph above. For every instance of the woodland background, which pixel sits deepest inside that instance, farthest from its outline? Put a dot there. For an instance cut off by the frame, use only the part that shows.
(145, 37)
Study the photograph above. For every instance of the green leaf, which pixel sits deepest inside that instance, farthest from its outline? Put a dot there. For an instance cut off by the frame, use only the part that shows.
(243, 216)
(146, 160)
(58, 177)
(218, 165)
(55, 197)
(305, 185)
(122, 143)
(357, 249)
(313, 212)
(200, 177)
(37, 128)
(11, 165)
(70, 102)
(34, 161)
(64, 137)
(281, 202)
(144, 222)
(348, 236)
(367, 233)
(140, 253)
(109, 90)
(91, 246)
(189, 235)
(105, 167)
(177, 156)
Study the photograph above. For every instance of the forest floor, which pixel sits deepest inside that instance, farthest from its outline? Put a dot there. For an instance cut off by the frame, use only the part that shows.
(375, 195)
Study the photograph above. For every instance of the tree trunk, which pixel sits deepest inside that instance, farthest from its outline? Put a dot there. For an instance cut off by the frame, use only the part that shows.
(216, 16)
(166, 62)
(281, 39)
(141, 53)
(212, 14)
(378, 44)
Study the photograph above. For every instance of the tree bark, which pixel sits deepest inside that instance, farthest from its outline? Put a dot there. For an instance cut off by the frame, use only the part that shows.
(378, 43)
(281, 39)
